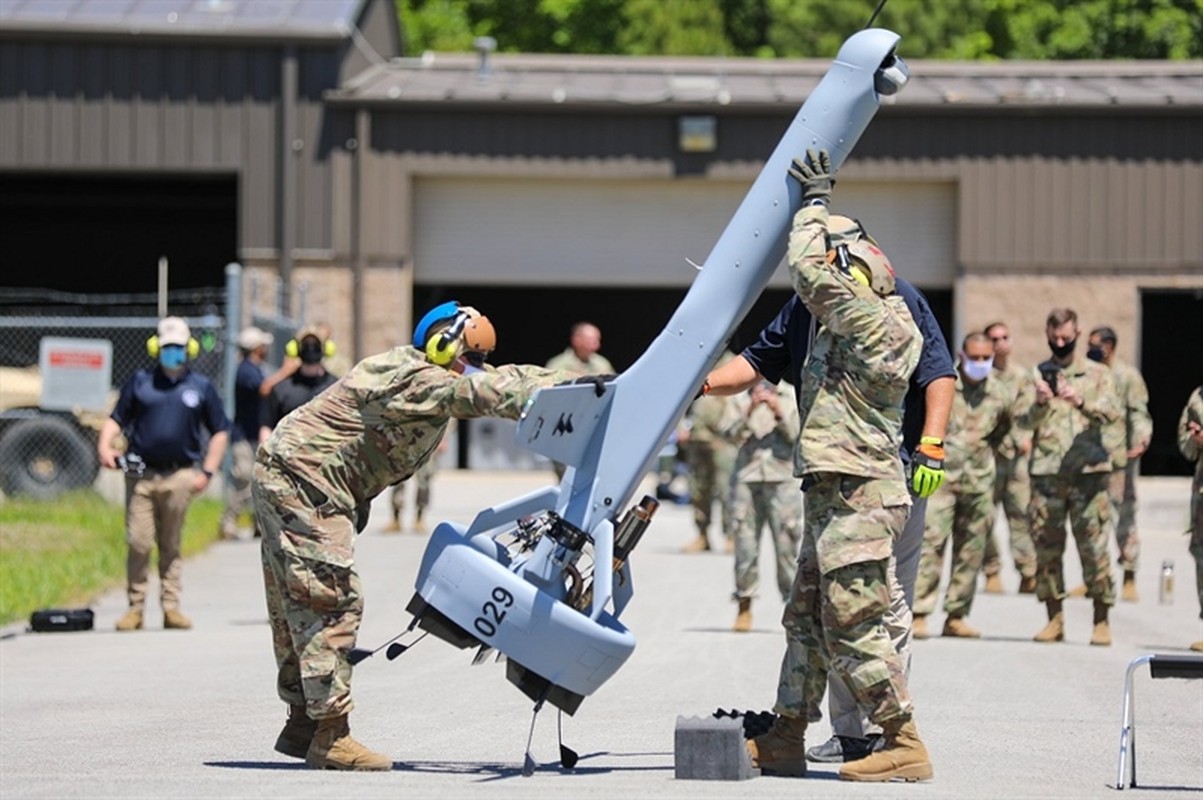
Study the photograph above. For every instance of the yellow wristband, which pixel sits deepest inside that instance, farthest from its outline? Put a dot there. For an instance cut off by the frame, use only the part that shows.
(931, 440)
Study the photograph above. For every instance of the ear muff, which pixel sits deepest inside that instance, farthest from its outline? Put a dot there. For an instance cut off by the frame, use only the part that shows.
(292, 348)
(192, 348)
(443, 347)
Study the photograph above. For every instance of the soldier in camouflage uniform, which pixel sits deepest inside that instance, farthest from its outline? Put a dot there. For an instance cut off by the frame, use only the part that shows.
(580, 357)
(981, 417)
(1190, 443)
(856, 376)
(314, 481)
(422, 480)
(1012, 485)
(711, 458)
(1128, 438)
(1070, 469)
(764, 421)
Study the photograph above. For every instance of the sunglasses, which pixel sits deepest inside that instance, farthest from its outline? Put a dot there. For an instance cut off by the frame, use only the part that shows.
(476, 358)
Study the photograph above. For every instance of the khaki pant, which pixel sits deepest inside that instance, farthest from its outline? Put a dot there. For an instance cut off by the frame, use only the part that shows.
(155, 504)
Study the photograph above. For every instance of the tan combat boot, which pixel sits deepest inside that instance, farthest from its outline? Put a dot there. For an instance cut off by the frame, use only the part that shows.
(781, 751)
(1197, 646)
(130, 621)
(903, 758)
(297, 733)
(392, 526)
(958, 627)
(1101, 635)
(419, 525)
(699, 545)
(994, 585)
(1027, 584)
(1054, 631)
(333, 748)
(1128, 592)
(919, 627)
(174, 619)
(1078, 591)
(743, 620)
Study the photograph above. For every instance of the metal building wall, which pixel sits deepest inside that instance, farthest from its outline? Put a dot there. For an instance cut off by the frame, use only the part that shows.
(1038, 191)
(173, 107)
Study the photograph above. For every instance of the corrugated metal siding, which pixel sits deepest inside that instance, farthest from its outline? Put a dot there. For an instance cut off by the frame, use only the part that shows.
(1033, 215)
(636, 232)
(87, 106)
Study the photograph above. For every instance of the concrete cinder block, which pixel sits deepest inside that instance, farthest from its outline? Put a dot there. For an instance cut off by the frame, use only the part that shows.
(709, 749)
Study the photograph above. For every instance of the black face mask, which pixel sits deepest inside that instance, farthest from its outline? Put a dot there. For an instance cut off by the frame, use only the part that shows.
(1095, 354)
(311, 352)
(1065, 350)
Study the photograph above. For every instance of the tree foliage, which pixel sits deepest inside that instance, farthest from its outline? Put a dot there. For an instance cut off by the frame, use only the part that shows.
(942, 29)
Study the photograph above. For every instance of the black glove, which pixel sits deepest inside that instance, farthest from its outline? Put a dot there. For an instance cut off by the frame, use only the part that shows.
(814, 173)
(598, 382)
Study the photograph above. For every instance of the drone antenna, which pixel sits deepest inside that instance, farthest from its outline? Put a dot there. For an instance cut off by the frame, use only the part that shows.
(876, 11)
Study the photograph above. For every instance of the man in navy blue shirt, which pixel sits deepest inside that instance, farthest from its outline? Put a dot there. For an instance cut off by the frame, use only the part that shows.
(162, 412)
(780, 353)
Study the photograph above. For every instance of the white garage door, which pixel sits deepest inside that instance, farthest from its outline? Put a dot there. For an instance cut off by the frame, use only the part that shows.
(510, 231)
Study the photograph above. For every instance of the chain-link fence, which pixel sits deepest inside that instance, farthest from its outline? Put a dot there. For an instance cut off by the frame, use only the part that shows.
(49, 445)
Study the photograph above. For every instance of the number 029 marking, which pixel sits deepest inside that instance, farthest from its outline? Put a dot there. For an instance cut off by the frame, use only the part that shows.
(493, 612)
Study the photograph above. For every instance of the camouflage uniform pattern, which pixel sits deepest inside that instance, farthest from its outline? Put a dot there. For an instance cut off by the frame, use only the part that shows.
(1070, 469)
(1133, 426)
(314, 479)
(711, 459)
(1012, 485)
(964, 506)
(596, 364)
(765, 492)
(1193, 412)
(856, 504)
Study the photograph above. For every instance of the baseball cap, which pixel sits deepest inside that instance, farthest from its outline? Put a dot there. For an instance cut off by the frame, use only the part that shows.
(251, 337)
(173, 330)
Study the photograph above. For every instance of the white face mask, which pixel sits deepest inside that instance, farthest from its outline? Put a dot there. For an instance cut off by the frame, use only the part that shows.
(470, 370)
(977, 370)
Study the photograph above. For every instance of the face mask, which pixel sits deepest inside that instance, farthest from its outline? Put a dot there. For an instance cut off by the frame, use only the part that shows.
(311, 352)
(1095, 354)
(977, 370)
(1065, 350)
(172, 356)
(471, 370)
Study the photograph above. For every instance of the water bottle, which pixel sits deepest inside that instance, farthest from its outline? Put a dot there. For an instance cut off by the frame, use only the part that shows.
(1166, 595)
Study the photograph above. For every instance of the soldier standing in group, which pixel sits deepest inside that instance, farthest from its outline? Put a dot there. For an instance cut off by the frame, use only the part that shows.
(581, 357)
(1070, 468)
(1128, 439)
(853, 385)
(315, 478)
(1190, 444)
(422, 480)
(711, 459)
(981, 416)
(1012, 485)
(764, 421)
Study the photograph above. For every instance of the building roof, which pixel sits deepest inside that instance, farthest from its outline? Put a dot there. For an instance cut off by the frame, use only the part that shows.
(259, 19)
(551, 80)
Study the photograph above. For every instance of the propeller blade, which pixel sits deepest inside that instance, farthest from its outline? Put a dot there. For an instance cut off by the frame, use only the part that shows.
(358, 654)
(568, 757)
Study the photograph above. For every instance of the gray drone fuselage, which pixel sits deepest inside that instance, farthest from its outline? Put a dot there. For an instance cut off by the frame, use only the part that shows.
(524, 599)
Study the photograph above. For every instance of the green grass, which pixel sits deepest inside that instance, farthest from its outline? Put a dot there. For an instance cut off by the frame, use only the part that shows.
(67, 551)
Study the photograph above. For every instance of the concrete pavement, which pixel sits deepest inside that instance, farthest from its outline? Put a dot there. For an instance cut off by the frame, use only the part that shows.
(194, 714)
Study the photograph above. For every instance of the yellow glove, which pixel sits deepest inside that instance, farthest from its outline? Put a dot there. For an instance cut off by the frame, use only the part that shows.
(927, 466)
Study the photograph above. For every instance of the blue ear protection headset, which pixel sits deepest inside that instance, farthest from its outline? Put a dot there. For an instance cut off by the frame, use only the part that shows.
(443, 348)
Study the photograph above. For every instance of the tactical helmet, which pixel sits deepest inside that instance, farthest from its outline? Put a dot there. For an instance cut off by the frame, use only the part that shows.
(870, 267)
(845, 230)
(449, 329)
